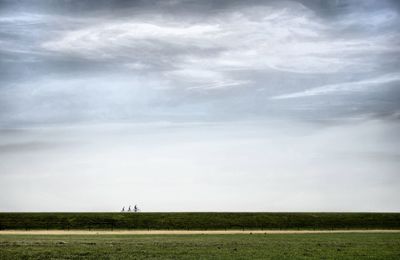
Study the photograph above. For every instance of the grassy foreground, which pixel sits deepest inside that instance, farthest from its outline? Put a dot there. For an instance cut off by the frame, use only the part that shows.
(277, 246)
(199, 221)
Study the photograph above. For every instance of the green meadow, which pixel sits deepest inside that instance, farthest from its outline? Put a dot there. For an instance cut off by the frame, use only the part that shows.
(260, 246)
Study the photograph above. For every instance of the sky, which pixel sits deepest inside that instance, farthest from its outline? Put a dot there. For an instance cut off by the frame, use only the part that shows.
(184, 105)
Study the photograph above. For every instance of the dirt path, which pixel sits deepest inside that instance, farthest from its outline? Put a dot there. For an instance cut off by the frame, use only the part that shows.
(182, 232)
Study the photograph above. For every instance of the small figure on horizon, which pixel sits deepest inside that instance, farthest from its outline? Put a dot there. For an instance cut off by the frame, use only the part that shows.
(123, 209)
(136, 209)
(129, 209)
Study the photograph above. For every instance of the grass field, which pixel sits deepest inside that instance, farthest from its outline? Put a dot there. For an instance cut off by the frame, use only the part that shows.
(277, 246)
(199, 221)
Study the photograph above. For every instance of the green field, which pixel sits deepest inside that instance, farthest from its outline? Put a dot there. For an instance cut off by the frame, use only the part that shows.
(199, 221)
(277, 246)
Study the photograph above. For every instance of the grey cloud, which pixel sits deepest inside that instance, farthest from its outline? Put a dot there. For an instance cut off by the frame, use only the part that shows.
(197, 56)
(27, 147)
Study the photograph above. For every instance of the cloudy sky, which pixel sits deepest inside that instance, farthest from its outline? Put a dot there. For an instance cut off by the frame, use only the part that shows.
(184, 105)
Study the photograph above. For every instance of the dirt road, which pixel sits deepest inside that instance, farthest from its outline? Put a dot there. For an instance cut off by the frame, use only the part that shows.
(182, 232)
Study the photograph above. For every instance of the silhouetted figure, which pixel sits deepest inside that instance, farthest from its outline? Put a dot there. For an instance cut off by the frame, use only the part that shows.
(123, 209)
(136, 209)
(129, 209)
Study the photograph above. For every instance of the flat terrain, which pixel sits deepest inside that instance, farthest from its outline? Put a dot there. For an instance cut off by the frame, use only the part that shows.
(198, 221)
(233, 246)
(199, 235)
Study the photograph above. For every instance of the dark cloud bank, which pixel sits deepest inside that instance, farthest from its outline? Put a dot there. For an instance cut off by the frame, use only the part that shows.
(67, 61)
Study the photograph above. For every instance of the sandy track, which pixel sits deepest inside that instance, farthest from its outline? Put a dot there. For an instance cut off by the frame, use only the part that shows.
(182, 232)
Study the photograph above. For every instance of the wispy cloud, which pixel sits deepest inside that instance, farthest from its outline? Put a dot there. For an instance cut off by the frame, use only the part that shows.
(343, 87)
(290, 39)
(193, 54)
